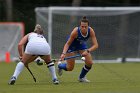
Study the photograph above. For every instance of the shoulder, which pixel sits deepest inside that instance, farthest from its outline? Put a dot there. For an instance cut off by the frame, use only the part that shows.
(75, 29)
(91, 28)
(74, 32)
(32, 34)
(92, 31)
(29, 35)
(24, 39)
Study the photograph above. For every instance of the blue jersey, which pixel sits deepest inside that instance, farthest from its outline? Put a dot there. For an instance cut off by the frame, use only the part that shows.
(79, 43)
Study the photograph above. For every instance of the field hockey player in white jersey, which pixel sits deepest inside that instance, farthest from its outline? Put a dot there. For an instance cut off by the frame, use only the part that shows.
(37, 46)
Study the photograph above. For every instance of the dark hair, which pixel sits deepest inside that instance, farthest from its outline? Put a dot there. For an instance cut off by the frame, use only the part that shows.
(84, 19)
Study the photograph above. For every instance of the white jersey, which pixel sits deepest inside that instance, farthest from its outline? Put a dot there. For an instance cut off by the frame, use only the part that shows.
(34, 37)
(37, 45)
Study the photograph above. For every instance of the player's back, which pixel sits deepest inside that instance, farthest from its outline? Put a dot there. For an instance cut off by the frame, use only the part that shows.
(34, 37)
(37, 44)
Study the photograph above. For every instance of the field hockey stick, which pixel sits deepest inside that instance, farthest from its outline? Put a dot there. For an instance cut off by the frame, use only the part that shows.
(55, 60)
(20, 59)
(31, 73)
(69, 57)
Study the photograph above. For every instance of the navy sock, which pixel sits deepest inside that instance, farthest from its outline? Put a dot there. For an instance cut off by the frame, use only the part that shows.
(63, 66)
(84, 71)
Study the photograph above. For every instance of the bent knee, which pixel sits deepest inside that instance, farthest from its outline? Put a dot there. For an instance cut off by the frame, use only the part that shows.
(89, 63)
(70, 68)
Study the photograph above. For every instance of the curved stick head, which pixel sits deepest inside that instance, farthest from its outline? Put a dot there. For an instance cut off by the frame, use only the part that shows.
(34, 79)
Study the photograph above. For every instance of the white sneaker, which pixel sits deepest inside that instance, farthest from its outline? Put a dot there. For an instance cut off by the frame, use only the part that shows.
(84, 80)
(12, 80)
(55, 81)
(59, 71)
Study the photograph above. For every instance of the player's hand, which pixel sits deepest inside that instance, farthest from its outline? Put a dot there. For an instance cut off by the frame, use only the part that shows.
(62, 56)
(85, 53)
(20, 57)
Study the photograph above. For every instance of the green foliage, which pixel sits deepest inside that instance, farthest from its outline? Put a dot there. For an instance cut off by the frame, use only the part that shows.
(105, 78)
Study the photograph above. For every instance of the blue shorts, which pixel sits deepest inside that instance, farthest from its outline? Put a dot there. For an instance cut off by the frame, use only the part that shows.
(76, 46)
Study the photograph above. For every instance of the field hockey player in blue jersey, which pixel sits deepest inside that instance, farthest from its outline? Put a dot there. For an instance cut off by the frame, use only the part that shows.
(77, 43)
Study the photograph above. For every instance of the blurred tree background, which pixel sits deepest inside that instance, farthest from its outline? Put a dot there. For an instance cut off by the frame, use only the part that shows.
(23, 10)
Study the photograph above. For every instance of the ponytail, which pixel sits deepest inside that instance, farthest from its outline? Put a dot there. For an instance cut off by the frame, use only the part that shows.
(84, 19)
(38, 29)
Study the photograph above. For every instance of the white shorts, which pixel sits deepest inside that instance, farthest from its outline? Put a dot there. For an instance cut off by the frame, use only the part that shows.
(38, 48)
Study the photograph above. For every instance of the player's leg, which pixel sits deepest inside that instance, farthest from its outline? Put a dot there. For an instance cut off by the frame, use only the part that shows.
(86, 68)
(51, 67)
(70, 63)
(68, 66)
(19, 67)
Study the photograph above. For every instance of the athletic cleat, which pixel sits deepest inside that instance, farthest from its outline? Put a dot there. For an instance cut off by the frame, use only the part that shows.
(85, 80)
(59, 71)
(55, 81)
(12, 80)
(38, 62)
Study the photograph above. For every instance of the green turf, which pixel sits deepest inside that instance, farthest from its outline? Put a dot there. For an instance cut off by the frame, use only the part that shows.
(105, 78)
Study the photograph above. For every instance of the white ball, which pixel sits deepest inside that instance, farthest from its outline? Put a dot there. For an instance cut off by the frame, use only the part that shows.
(83, 58)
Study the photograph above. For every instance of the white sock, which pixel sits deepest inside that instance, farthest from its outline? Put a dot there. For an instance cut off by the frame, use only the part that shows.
(51, 68)
(18, 69)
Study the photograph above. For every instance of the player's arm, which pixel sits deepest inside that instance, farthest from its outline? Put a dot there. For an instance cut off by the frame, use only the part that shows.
(68, 43)
(94, 41)
(21, 44)
(70, 40)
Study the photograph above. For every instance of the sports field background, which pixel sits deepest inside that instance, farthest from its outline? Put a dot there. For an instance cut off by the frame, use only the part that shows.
(105, 78)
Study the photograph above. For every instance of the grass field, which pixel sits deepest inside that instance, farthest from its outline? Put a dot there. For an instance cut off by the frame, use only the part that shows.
(105, 78)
